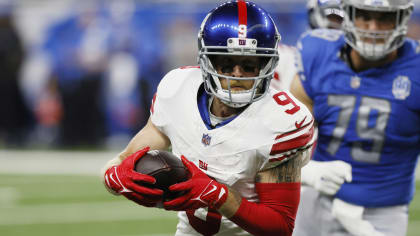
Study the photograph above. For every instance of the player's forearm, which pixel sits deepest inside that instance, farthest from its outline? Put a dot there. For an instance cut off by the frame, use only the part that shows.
(273, 215)
(278, 191)
(149, 136)
(231, 206)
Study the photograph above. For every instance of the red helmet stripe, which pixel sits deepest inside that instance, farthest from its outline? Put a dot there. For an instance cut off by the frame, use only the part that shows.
(242, 13)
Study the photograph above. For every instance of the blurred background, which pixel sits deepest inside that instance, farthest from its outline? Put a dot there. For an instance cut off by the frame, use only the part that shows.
(81, 74)
(77, 79)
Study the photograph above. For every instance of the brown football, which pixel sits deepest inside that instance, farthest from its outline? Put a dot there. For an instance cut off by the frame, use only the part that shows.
(166, 168)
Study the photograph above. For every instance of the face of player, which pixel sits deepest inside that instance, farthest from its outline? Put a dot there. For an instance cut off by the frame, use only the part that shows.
(375, 21)
(240, 67)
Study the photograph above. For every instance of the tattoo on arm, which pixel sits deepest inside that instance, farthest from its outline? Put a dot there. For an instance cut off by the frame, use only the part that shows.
(286, 172)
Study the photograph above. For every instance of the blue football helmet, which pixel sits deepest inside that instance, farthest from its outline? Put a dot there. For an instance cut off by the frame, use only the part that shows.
(238, 28)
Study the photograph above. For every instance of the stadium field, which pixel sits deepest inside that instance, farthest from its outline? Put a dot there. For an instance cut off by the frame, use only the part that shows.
(51, 204)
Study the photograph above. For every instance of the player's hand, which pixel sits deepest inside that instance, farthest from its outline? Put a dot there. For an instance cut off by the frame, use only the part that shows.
(200, 191)
(122, 179)
(351, 218)
(326, 177)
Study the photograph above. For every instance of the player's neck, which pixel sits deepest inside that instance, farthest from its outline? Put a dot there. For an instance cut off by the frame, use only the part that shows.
(360, 64)
(219, 109)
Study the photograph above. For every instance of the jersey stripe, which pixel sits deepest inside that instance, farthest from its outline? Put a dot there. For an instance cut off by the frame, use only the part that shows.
(294, 131)
(242, 13)
(300, 141)
(152, 107)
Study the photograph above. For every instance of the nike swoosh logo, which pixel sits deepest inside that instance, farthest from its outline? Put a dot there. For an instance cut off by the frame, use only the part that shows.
(124, 189)
(212, 190)
(299, 125)
(110, 176)
(222, 192)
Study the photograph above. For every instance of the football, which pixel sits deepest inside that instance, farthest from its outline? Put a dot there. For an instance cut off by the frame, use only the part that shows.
(166, 168)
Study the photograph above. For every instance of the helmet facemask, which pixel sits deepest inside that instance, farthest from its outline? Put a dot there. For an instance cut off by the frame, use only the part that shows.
(376, 44)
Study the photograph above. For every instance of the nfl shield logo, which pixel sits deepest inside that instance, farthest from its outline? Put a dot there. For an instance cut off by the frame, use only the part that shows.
(355, 82)
(401, 87)
(206, 139)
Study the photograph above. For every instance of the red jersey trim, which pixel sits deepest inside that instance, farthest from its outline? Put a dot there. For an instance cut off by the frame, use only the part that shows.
(294, 131)
(188, 67)
(295, 143)
(152, 107)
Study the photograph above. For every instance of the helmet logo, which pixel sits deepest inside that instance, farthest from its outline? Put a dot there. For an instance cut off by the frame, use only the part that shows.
(383, 3)
(242, 31)
(401, 87)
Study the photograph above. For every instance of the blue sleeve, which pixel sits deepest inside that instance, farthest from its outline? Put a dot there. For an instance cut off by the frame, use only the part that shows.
(317, 48)
(411, 51)
(307, 56)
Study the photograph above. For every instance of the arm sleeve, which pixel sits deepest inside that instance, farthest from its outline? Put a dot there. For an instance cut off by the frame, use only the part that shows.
(306, 60)
(298, 138)
(275, 213)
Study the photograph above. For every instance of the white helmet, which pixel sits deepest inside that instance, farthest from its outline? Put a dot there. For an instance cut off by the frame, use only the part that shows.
(392, 39)
(320, 11)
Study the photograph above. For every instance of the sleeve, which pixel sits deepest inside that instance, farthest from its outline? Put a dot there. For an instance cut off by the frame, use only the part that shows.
(297, 137)
(305, 61)
(316, 48)
(411, 85)
(172, 84)
(158, 108)
(157, 112)
(275, 213)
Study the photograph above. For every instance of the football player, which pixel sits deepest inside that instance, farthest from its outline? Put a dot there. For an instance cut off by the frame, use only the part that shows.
(242, 142)
(363, 86)
(321, 14)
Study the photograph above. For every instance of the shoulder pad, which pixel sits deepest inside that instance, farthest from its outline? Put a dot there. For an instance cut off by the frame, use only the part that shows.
(173, 81)
(283, 106)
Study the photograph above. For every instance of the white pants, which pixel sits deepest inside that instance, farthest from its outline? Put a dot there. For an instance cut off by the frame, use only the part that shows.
(314, 217)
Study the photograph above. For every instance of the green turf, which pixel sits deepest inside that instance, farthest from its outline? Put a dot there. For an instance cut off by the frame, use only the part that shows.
(414, 221)
(73, 205)
(51, 205)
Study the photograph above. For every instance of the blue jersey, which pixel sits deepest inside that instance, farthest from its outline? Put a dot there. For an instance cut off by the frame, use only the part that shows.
(370, 119)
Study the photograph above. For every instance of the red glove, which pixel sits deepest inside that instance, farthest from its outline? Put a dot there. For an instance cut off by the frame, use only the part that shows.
(124, 180)
(200, 191)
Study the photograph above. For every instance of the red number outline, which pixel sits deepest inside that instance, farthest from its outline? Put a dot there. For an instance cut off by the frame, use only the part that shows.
(285, 102)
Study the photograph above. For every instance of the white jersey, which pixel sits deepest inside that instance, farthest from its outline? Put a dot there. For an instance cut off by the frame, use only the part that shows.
(286, 69)
(265, 134)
